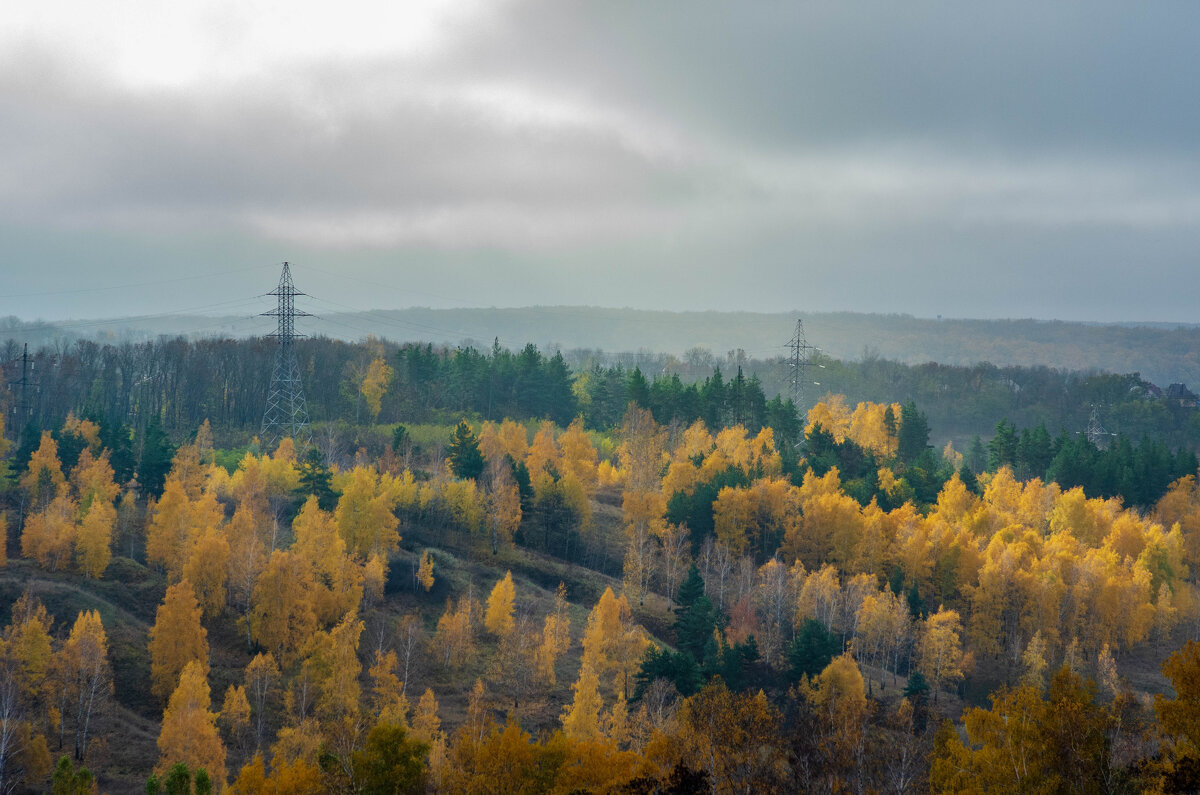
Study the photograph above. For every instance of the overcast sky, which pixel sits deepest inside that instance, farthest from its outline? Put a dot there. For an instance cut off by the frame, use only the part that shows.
(1015, 159)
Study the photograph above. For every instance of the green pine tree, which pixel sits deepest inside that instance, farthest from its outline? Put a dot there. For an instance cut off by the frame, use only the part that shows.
(465, 459)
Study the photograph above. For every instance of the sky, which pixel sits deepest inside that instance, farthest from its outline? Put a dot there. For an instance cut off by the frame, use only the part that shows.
(965, 159)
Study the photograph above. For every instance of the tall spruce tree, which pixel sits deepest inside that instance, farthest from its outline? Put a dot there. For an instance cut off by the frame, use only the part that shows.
(465, 459)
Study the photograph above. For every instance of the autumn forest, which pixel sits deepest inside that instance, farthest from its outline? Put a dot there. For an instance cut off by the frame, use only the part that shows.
(507, 571)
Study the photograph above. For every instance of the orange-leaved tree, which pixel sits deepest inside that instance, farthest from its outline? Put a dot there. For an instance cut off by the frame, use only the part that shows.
(189, 728)
(499, 616)
(176, 639)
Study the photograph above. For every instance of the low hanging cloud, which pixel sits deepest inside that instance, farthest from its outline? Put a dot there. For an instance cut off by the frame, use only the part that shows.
(776, 147)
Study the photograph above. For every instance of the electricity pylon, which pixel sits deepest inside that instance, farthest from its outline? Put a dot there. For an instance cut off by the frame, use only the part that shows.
(286, 413)
(799, 360)
(1095, 431)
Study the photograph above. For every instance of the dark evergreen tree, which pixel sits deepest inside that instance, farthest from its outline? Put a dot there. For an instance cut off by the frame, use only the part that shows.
(463, 454)
(917, 693)
(157, 453)
(781, 416)
(694, 626)
(889, 420)
(731, 663)
(117, 438)
(713, 399)
(69, 447)
(316, 479)
(977, 457)
(178, 780)
(737, 398)
(390, 762)
(1035, 451)
(812, 650)
(399, 438)
(1002, 449)
(637, 389)
(691, 589)
(31, 439)
(916, 606)
(679, 668)
(913, 435)
(968, 478)
(695, 510)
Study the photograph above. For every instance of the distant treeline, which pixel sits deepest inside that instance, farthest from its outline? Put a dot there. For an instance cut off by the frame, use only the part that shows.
(528, 384)
(182, 383)
(1162, 352)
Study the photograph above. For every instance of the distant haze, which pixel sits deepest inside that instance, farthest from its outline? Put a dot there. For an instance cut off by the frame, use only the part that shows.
(1021, 159)
(1161, 354)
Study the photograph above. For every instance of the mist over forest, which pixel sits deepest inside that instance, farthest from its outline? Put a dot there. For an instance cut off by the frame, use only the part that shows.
(1161, 352)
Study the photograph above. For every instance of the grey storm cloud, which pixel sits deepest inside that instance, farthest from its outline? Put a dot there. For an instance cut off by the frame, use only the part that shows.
(961, 158)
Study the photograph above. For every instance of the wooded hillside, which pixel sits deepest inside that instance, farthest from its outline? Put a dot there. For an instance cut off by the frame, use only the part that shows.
(552, 580)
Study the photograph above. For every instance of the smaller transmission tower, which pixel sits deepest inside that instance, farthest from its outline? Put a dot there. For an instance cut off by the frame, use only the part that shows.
(24, 409)
(799, 361)
(1095, 431)
(287, 412)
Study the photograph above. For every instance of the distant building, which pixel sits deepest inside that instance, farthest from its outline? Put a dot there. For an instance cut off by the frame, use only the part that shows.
(1182, 395)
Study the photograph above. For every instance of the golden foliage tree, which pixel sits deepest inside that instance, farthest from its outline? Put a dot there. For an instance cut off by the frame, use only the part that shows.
(1180, 716)
(426, 725)
(556, 636)
(375, 384)
(207, 568)
(832, 414)
(455, 635)
(840, 702)
(333, 668)
(176, 523)
(939, 649)
(43, 475)
(579, 457)
(338, 580)
(883, 630)
(503, 503)
(733, 737)
(93, 543)
(92, 479)
(248, 555)
(283, 615)
(581, 720)
(235, 714)
(425, 570)
(612, 643)
(365, 514)
(176, 639)
(262, 677)
(86, 674)
(543, 452)
(374, 580)
(189, 729)
(49, 535)
(387, 700)
(499, 616)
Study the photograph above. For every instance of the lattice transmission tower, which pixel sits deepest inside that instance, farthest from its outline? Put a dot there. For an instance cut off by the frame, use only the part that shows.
(1096, 434)
(799, 361)
(286, 413)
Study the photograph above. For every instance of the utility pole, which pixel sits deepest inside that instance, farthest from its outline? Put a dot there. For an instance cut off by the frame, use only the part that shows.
(22, 409)
(286, 413)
